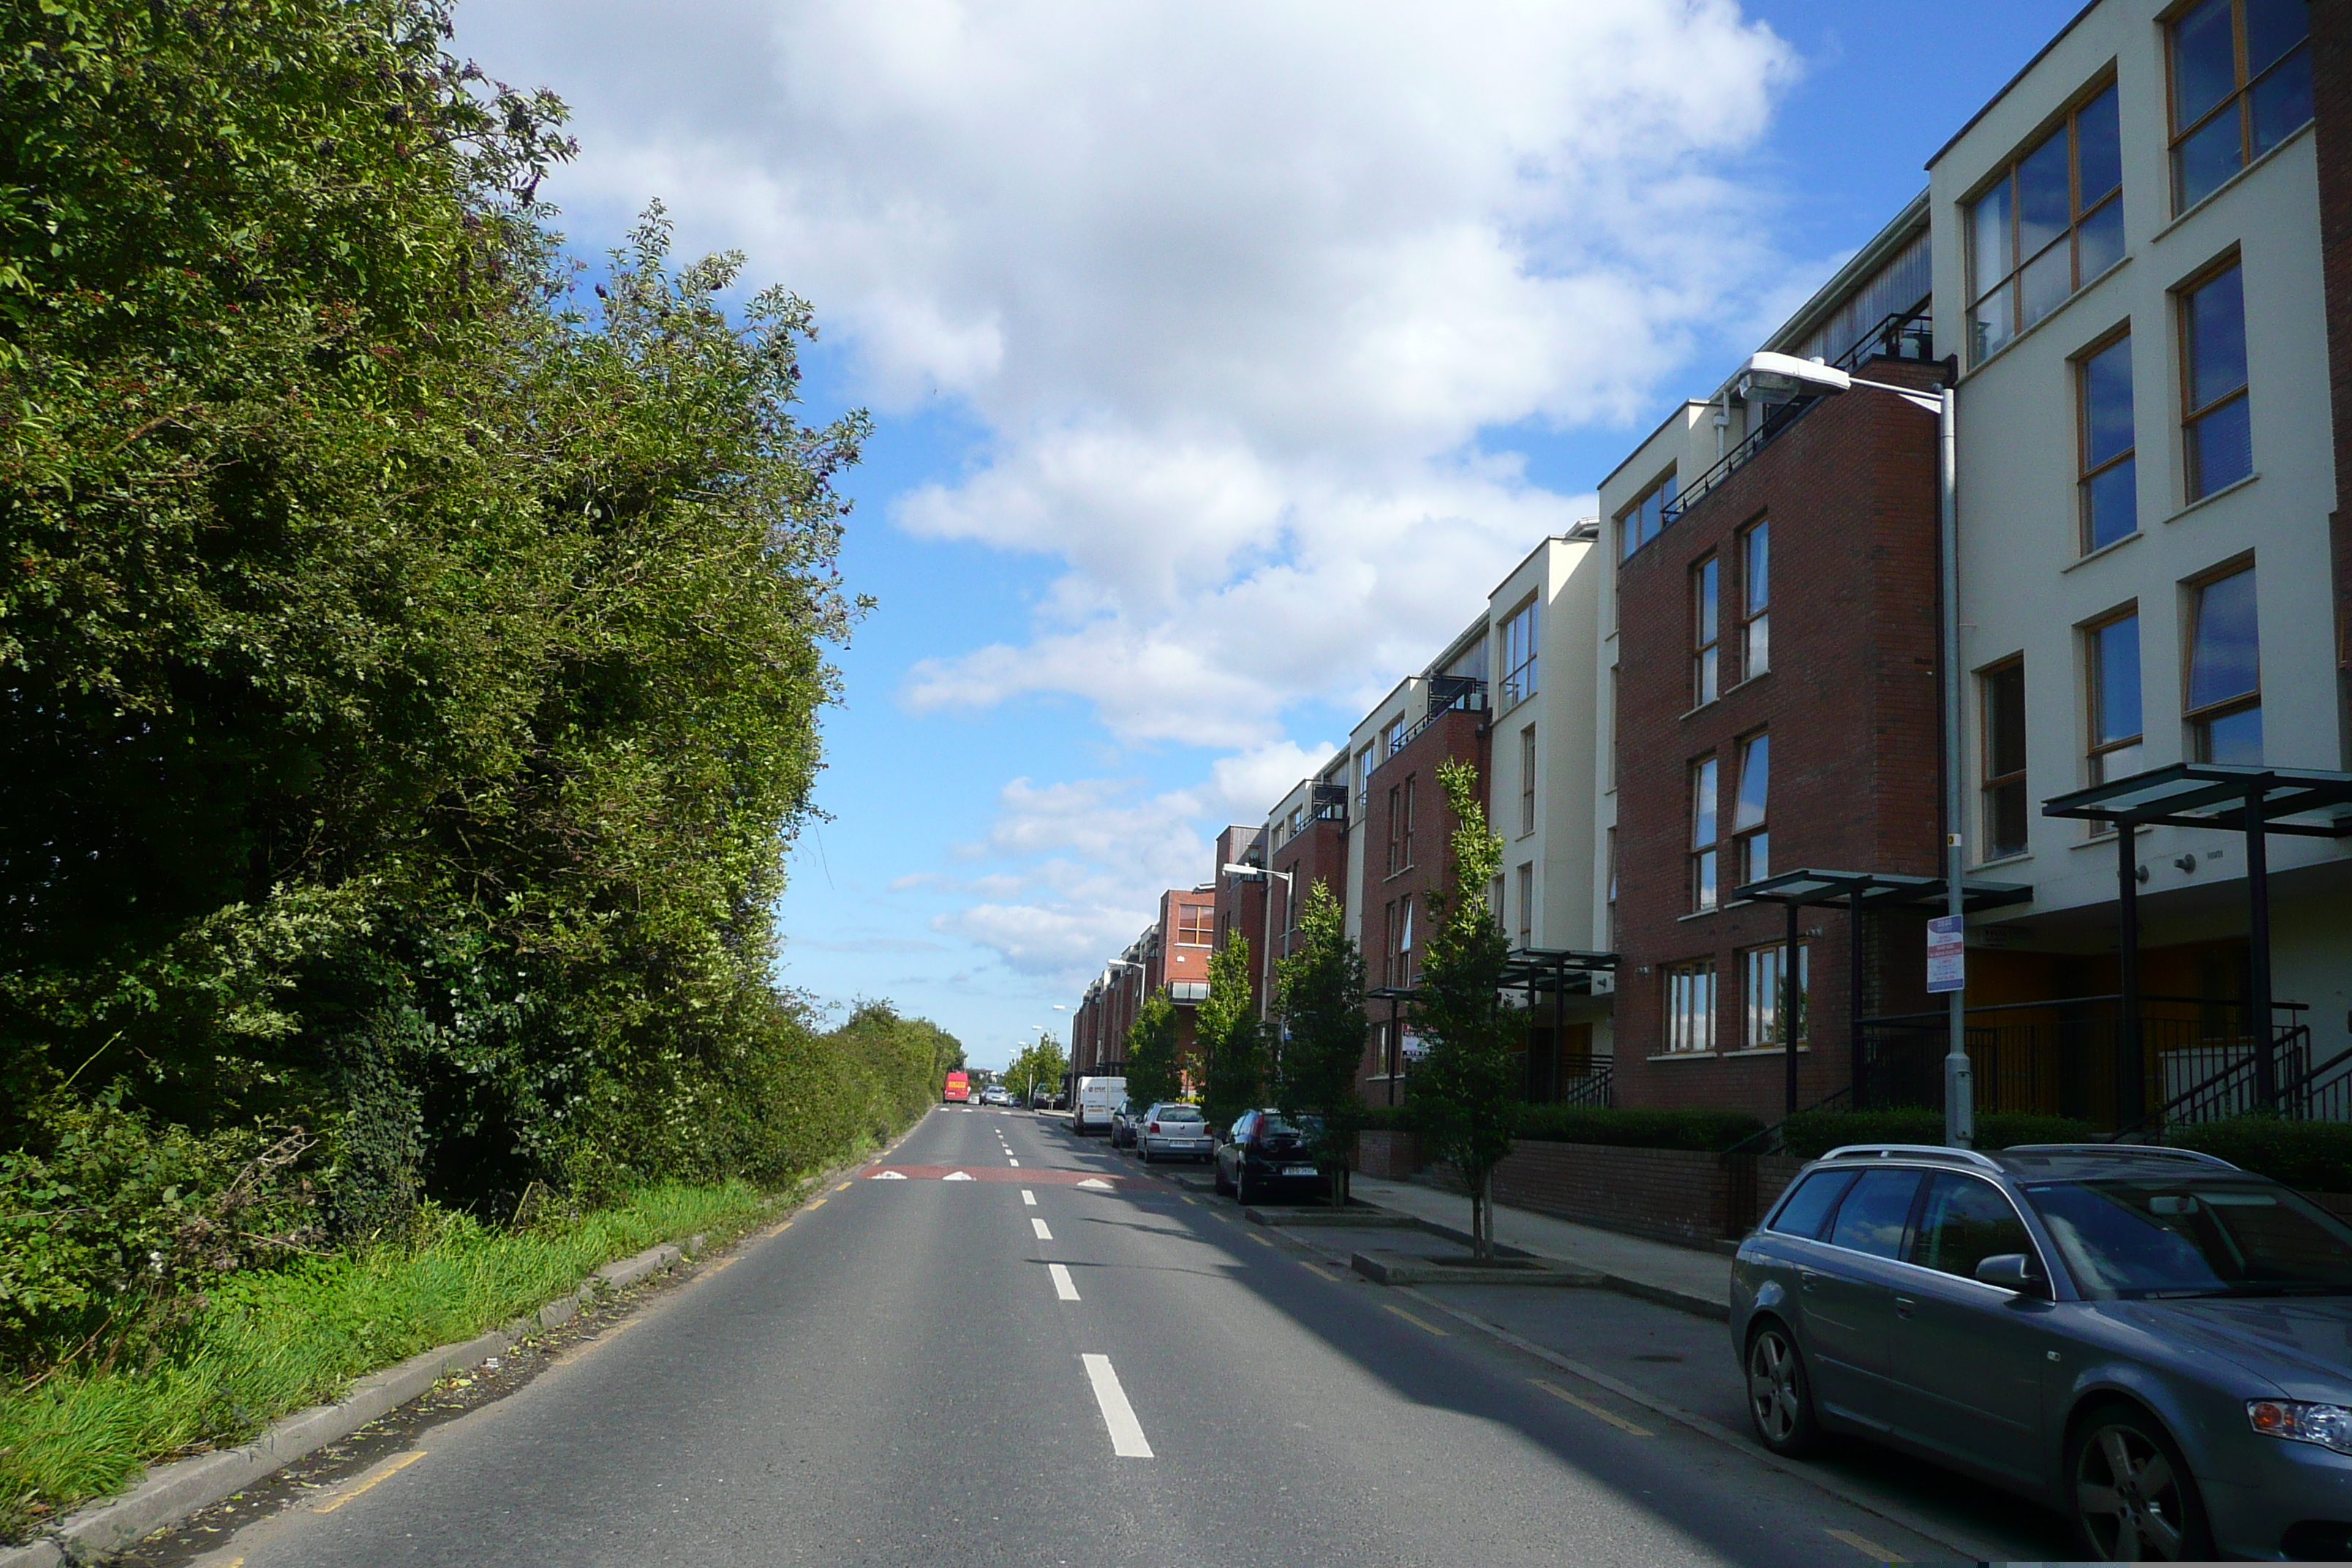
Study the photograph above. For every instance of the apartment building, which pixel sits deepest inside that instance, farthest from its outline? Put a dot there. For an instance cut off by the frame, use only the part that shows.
(2331, 76)
(2130, 265)
(1171, 954)
(1770, 644)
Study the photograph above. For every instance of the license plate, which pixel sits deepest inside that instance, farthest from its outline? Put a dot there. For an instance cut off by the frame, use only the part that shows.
(1298, 1170)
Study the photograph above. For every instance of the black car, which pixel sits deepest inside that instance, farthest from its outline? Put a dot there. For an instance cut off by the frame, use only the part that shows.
(1262, 1156)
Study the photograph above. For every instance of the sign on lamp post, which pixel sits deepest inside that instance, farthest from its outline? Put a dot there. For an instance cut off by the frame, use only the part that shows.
(1948, 973)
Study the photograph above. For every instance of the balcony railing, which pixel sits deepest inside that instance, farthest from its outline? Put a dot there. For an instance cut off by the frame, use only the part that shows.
(1905, 334)
(1447, 694)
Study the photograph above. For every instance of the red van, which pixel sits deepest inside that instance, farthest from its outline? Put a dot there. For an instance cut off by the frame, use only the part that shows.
(958, 1090)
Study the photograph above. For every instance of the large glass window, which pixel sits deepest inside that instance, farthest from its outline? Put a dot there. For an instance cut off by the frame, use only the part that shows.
(1519, 654)
(2240, 85)
(1764, 989)
(1877, 1213)
(2216, 419)
(1528, 779)
(1756, 601)
(1752, 837)
(2224, 706)
(1528, 905)
(1690, 1007)
(2109, 485)
(1704, 895)
(2003, 692)
(2050, 222)
(2114, 665)
(1707, 631)
(1194, 925)
(1639, 523)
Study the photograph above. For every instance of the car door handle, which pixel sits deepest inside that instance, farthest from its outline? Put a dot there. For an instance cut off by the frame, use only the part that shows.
(1805, 1280)
(1903, 1305)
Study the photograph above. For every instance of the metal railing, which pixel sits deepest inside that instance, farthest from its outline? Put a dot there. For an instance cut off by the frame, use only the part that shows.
(1596, 1087)
(1901, 334)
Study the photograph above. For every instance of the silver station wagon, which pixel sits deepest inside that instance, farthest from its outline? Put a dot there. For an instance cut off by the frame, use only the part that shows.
(2151, 1341)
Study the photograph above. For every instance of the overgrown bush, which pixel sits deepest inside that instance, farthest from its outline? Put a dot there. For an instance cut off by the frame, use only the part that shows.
(1810, 1134)
(1634, 1127)
(2315, 1156)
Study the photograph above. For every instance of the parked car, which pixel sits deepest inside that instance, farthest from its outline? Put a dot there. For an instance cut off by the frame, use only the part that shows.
(995, 1094)
(1122, 1124)
(1263, 1156)
(2151, 1341)
(1172, 1129)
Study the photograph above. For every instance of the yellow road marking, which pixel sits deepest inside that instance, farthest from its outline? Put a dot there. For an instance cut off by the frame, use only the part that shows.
(1416, 1322)
(1190, 1199)
(817, 1204)
(607, 1337)
(1259, 1239)
(1591, 1409)
(782, 1228)
(381, 1474)
(1319, 1272)
(1864, 1545)
(843, 1188)
(721, 1267)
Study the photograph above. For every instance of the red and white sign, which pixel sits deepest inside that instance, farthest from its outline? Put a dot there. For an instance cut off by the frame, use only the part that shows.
(1948, 954)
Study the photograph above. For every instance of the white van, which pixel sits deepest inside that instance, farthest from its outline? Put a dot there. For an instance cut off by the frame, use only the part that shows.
(1098, 1098)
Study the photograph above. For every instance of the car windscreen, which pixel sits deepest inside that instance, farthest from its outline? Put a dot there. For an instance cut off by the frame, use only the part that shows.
(2153, 1237)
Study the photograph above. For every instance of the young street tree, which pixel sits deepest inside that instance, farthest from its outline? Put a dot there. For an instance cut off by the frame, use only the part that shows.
(1153, 1073)
(1464, 1097)
(1322, 999)
(1038, 1066)
(1231, 1042)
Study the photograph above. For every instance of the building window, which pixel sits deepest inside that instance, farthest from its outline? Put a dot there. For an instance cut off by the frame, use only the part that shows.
(1528, 904)
(1412, 783)
(1387, 944)
(2240, 85)
(2225, 678)
(2050, 222)
(2003, 690)
(1392, 738)
(1194, 925)
(1764, 991)
(2114, 668)
(1749, 835)
(2215, 416)
(1702, 850)
(1707, 631)
(1756, 601)
(1690, 1007)
(1396, 829)
(2109, 489)
(1609, 937)
(1527, 781)
(1519, 654)
(1365, 763)
(1405, 940)
(1639, 523)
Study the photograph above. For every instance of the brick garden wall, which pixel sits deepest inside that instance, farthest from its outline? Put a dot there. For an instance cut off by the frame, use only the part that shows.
(1669, 1194)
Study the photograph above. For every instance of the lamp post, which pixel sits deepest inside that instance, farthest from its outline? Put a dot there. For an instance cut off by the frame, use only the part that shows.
(1779, 377)
(1266, 953)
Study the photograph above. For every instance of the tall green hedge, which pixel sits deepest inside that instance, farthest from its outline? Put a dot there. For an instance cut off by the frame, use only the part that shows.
(2315, 1156)
(1810, 1134)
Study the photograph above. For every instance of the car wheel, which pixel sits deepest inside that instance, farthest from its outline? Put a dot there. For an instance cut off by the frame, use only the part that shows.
(1780, 1394)
(2134, 1498)
(1242, 1192)
(1217, 1176)
(1148, 1158)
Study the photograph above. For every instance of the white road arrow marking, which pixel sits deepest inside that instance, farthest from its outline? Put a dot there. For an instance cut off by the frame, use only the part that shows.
(1126, 1432)
(1063, 1286)
(887, 1176)
(956, 1176)
(1095, 1182)
(1039, 1227)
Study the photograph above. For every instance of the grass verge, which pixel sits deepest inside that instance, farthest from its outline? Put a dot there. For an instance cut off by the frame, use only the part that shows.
(277, 1342)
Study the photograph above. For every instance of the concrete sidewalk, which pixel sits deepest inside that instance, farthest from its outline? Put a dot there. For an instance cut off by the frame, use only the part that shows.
(1675, 1276)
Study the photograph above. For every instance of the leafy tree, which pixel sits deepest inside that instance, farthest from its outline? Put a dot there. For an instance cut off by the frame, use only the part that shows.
(1321, 990)
(1153, 1073)
(1230, 1037)
(1464, 1096)
(1037, 1066)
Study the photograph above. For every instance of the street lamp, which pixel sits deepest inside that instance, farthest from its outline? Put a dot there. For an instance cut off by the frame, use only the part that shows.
(1265, 954)
(1777, 378)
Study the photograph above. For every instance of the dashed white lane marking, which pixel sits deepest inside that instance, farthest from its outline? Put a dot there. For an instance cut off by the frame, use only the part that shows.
(1064, 1287)
(1015, 1164)
(1591, 1409)
(393, 1466)
(1028, 1197)
(1039, 1227)
(1126, 1432)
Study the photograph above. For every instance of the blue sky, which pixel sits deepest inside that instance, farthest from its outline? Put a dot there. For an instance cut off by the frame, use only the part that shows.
(1221, 358)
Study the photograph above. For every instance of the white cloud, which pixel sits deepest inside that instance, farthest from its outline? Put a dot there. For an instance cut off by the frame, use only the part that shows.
(1231, 289)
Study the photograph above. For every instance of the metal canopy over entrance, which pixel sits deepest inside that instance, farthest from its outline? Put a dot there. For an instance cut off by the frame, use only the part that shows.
(2233, 798)
(1857, 893)
(1563, 972)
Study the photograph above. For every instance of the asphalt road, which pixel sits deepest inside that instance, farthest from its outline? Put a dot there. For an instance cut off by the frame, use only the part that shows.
(1014, 1368)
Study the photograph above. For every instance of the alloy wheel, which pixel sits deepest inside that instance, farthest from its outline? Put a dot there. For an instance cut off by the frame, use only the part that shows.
(1775, 1397)
(2130, 1495)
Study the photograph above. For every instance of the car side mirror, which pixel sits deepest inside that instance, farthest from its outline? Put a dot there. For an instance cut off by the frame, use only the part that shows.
(2013, 1271)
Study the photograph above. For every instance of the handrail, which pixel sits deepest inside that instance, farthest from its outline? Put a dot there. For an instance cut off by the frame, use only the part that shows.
(1939, 1017)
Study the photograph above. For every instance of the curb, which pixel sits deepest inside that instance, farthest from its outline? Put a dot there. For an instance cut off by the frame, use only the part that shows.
(1406, 1269)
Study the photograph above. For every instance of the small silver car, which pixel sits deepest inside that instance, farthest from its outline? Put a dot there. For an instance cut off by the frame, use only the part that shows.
(2151, 1341)
(1171, 1128)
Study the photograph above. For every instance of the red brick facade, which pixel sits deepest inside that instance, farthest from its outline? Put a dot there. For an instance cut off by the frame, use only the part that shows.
(2331, 80)
(1240, 906)
(1850, 703)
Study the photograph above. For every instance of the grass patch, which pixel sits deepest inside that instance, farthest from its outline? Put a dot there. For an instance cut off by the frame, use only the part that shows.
(270, 1342)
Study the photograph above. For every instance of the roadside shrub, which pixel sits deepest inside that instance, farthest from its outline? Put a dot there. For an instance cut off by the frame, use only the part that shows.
(2315, 1156)
(1810, 1134)
(1635, 1127)
(1386, 1118)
